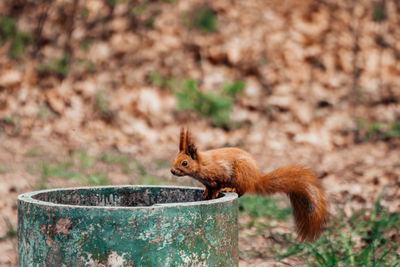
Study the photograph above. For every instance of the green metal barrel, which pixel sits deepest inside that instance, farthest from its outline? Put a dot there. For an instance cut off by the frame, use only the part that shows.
(127, 226)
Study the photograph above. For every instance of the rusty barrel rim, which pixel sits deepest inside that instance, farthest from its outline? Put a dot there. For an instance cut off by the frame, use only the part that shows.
(29, 197)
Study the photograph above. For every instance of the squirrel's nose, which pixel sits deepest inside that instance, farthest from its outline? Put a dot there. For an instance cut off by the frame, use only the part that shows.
(173, 172)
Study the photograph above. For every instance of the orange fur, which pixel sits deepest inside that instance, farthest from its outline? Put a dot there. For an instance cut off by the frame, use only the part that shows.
(237, 170)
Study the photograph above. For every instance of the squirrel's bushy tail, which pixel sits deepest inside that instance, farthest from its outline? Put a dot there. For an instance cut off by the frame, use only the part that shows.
(307, 199)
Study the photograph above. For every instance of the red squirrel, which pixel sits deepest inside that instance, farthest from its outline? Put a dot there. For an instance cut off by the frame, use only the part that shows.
(233, 169)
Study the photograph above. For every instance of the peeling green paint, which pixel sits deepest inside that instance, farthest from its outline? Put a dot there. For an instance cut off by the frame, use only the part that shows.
(127, 226)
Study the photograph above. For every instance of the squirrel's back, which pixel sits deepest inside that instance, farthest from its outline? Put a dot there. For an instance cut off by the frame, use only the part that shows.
(238, 165)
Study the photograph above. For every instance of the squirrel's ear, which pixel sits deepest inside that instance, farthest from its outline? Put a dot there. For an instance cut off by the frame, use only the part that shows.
(191, 149)
(182, 140)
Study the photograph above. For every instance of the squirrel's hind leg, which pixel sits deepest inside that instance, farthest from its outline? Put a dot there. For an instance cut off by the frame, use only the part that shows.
(210, 193)
(225, 189)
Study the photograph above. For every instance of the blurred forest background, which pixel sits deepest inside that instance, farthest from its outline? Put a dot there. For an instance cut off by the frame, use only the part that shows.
(94, 92)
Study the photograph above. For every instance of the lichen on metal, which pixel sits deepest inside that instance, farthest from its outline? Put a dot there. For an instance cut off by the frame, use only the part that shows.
(127, 226)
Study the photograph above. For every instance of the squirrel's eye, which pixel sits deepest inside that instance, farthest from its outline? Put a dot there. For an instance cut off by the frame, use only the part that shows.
(184, 163)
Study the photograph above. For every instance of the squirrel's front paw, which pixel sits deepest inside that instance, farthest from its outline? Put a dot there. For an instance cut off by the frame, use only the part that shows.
(206, 194)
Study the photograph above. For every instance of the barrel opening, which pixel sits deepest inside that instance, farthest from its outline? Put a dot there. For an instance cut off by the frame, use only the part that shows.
(121, 196)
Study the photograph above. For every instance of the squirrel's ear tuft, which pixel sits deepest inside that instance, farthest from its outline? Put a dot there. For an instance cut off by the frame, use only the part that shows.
(182, 140)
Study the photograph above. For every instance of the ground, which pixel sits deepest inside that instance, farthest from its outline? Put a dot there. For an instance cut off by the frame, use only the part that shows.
(95, 92)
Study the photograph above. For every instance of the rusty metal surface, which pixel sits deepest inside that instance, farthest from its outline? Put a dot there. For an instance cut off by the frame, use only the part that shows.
(127, 226)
